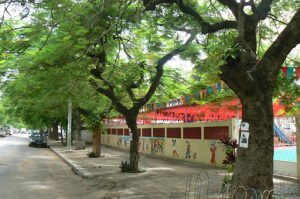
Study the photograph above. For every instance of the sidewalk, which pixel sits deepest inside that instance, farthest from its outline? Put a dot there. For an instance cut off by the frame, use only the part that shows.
(164, 178)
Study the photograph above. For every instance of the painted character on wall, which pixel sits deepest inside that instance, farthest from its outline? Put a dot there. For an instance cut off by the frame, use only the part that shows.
(213, 149)
(119, 142)
(188, 153)
(157, 146)
(174, 147)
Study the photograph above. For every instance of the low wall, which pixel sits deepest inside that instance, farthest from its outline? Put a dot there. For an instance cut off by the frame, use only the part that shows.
(86, 135)
(285, 168)
(196, 142)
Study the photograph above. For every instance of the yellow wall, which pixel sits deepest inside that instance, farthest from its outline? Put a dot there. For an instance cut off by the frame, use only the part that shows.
(199, 150)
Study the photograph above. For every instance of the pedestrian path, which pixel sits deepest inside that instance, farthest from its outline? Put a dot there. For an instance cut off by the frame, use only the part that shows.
(163, 178)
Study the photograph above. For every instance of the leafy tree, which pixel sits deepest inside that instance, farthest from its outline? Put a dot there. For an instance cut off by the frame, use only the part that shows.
(129, 81)
(251, 75)
(93, 118)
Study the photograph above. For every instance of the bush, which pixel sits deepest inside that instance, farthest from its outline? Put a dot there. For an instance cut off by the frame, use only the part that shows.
(92, 155)
(230, 148)
(125, 166)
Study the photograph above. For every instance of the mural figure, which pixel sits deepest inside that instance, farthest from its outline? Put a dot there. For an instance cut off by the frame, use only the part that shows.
(157, 146)
(188, 153)
(213, 149)
(174, 147)
(140, 144)
(119, 142)
(194, 156)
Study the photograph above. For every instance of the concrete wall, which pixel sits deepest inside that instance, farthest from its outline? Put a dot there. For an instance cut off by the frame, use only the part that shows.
(206, 151)
(86, 136)
(285, 168)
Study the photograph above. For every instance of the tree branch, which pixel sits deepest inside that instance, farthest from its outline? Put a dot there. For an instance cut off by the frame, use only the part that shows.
(205, 26)
(281, 47)
(262, 10)
(159, 71)
(111, 95)
(232, 5)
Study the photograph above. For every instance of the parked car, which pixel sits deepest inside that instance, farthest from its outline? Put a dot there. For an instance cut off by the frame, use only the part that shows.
(37, 139)
(8, 133)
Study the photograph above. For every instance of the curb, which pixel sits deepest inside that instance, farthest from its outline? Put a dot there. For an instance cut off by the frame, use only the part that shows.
(75, 167)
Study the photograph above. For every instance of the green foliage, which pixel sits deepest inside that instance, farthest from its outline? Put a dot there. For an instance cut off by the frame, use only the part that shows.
(288, 92)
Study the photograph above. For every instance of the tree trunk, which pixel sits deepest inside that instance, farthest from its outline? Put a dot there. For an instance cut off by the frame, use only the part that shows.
(97, 140)
(134, 152)
(254, 165)
(55, 131)
(61, 134)
(77, 123)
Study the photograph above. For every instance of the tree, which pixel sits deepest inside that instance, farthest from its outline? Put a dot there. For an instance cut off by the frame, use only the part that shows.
(129, 81)
(251, 76)
(93, 118)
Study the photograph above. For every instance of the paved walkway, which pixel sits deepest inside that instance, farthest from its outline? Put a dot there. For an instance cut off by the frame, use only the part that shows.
(164, 178)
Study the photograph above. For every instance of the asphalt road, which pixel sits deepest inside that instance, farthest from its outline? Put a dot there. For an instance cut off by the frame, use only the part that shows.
(38, 173)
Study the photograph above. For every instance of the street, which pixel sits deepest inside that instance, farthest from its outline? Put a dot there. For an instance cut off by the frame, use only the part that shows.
(37, 173)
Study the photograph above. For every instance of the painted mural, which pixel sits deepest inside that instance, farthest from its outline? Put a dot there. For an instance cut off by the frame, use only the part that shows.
(189, 154)
(213, 149)
(152, 145)
(174, 148)
(123, 141)
(108, 139)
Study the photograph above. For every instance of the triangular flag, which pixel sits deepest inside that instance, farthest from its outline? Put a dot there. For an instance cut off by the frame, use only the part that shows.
(214, 87)
(297, 72)
(188, 99)
(284, 70)
(182, 100)
(290, 71)
(209, 90)
(219, 86)
(173, 102)
(196, 95)
(223, 84)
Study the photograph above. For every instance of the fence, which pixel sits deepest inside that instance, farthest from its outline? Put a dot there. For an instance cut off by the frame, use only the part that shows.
(212, 186)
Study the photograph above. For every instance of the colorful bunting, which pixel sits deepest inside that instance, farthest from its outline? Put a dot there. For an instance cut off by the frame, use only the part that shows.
(288, 72)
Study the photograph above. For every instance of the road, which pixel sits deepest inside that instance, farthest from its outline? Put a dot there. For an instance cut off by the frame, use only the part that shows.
(37, 173)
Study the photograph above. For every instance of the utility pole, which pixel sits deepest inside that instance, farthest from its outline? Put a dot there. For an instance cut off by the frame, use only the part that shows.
(69, 148)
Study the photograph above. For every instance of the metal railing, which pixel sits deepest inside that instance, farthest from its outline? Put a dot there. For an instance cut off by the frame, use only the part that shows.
(211, 186)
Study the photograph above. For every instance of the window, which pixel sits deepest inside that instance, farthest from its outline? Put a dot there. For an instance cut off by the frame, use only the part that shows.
(146, 132)
(192, 132)
(126, 131)
(120, 131)
(174, 132)
(158, 132)
(216, 133)
(108, 131)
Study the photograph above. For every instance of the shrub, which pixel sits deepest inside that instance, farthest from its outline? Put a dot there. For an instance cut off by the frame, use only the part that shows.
(92, 155)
